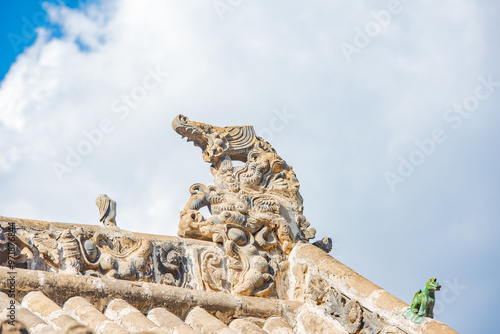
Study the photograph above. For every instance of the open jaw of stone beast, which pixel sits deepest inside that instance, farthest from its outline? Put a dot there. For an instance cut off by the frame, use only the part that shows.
(216, 142)
(256, 209)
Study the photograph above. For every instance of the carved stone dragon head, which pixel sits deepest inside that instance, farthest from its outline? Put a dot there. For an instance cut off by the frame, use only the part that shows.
(216, 142)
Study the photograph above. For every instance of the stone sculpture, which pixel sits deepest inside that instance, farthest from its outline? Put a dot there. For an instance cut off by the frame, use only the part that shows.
(256, 209)
(80, 251)
(422, 304)
(122, 257)
(107, 210)
(170, 265)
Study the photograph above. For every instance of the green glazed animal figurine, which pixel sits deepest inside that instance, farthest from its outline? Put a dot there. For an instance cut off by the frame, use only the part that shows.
(422, 304)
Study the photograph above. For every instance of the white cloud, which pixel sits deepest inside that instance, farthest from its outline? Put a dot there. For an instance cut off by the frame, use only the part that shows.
(352, 119)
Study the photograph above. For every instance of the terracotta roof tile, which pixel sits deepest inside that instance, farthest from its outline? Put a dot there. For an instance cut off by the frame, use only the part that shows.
(82, 310)
(204, 322)
(32, 322)
(275, 325)
(130, 318)
(49, 311)
(169, 322)
(241, 326)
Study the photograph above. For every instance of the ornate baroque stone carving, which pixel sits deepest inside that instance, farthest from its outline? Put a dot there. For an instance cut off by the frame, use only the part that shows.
(80, 252)
(256, 209)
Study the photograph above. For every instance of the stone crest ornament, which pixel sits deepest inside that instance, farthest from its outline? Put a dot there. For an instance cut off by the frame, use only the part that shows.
(256, 209)
(107, 210)
(422, 305)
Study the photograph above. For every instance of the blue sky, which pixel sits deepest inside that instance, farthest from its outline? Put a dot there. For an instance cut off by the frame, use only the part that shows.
(19, 21)
(388, 115)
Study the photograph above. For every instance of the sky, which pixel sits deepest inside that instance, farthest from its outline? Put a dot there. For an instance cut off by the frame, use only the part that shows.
(388, 112)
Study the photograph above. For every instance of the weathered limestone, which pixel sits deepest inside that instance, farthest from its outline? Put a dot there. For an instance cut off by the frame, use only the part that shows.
(206, 323)
(169, 322)
(32, 322)
(130, 318)
(49, 311)
(241, 326)
(436, 327)
(88, 315)
(312, 319)
(347, 296)
(275, 325)
(145, 296)
(257, 211)
(107, 210)
(14, 327)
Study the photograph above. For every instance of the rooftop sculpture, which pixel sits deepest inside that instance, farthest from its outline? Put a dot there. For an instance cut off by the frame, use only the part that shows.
(422, 304)
(257, 210)
(107, 210)
(255, 242)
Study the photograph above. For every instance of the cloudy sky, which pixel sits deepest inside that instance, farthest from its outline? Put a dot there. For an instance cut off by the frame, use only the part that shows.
(387, 110)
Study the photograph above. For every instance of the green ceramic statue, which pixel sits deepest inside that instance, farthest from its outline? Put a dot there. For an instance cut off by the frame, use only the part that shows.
(422, 304)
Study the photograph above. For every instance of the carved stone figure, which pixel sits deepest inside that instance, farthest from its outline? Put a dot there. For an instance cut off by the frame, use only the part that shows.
(107, 210)
(422, 304)
(170, 265)
(325, 244)
(121, 258)
(15, 251)
(256, 209)
(72, 260)
(212, 271)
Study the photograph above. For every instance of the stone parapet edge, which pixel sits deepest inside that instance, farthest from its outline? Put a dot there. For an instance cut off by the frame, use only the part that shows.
(368, 294)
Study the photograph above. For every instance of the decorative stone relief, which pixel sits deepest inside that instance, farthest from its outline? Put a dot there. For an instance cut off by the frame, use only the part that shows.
(213, 272)
(15, 251)
(256, 209)
(170, 265)
(119, 257)
(353, 317)
(79, 251)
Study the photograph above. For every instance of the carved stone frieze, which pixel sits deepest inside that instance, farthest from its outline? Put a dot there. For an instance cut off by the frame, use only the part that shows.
(354, 317)
(120, 257)
(79, 251)
(256, 209)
